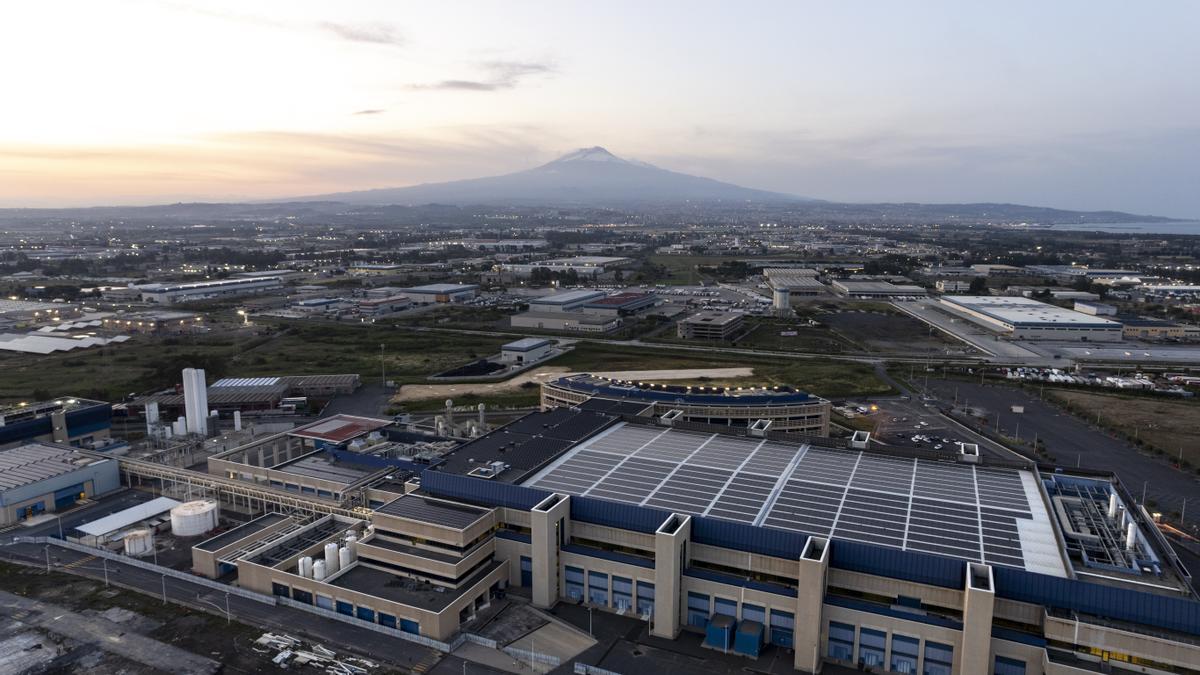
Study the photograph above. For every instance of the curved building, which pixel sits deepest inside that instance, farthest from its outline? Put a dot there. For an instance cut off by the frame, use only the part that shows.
(785, 408)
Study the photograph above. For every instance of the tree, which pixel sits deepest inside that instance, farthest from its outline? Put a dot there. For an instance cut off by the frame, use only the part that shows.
(978, 286)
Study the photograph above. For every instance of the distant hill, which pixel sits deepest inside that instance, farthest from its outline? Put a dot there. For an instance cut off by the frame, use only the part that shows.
(586, 177)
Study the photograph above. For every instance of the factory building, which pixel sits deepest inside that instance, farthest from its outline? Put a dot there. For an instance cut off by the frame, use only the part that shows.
(712, 325)
(808, 552)
(780, 409)
(169, 294)
(376, 307)
(255, 394)
(441, 293)
(586, 266)
(154, 323)
(19, 313)
(1095, 308)
(37, 478)
(68, 421)
(1028, 319)
(1142, 328)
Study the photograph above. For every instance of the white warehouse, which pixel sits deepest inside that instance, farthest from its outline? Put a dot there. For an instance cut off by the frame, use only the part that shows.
(1029, 319)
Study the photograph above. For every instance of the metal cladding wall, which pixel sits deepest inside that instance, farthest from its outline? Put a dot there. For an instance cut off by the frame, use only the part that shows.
(1121, 604)
(374, 461)
(731, 580)
(748, 538)
(922, 568)
(616, 514)
(88, 420)
(480, 491)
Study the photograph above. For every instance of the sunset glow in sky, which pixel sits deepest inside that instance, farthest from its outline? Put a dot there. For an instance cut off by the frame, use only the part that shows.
(1088, 105)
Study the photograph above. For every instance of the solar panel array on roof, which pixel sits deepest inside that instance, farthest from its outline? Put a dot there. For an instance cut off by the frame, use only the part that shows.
(433, 511)
(34, 462)
(245, 382)
(959, 510)
(529, 442)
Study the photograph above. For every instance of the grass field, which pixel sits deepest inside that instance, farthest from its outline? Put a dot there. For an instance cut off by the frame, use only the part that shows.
(766, 334)
(1154, 423)
(149, 363)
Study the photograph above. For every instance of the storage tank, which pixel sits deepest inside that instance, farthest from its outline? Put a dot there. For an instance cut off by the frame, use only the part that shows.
(318, 570)
(352, 544)
(192, 519)
(139, 543)
(331, 558)
(306, 567)
(343, 557)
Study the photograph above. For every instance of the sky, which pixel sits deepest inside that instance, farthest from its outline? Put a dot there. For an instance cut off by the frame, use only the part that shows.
(1072, 104)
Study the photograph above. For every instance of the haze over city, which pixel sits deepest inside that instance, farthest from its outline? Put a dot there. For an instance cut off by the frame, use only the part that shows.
(1078, 105)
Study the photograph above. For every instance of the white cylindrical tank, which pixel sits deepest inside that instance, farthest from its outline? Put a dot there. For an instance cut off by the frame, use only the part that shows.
(352, 544)
(318, 570)
(306, 567)
(343, 557)
(237, 420)
(1112, 506)
(1131, 536)
(191, 519)
(331, 558)
(139, 543)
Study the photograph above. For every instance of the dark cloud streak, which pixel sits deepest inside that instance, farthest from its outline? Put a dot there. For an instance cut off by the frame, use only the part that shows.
(499, 75)
(370, 33)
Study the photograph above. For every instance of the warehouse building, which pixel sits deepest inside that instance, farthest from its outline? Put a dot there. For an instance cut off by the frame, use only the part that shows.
(376, 307)
(251, 394)
(1142, 328)
(807, 552)
(169, 294)
(780, 409)
(154, 323)
(621, 304)
(441, 293)
(1095, 308)
(37, 478)
(875, 289)
(574, 322)
(68, 421)
(712, 325)
(566, 301)
(1027, 319)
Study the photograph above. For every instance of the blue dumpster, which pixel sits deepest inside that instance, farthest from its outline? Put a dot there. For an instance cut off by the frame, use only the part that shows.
(749, 638)
(719, 634)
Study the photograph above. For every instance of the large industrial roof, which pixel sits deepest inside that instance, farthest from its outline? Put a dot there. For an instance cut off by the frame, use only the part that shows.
(129, 516)
(433, 511)
(33, 462)
(567, 297)
(339, 428)
(993, 515)
(1022, 311)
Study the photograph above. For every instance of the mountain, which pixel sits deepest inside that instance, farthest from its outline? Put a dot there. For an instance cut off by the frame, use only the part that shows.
(589, 176)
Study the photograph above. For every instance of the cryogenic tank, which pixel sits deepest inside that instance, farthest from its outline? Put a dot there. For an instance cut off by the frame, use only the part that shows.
(306, 567)
(319, 570)
(331, 558)
(191, 519)
(352, 544)
(139, 543)
(343, 557)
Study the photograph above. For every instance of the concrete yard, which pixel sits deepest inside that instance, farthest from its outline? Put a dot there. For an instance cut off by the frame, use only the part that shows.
(418, 392)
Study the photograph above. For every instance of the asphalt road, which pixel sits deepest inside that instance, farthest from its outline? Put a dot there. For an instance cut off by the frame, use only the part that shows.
(334, 634)
(1074, 442)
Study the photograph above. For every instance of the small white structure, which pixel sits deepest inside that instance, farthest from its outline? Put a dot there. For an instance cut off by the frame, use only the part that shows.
(318, 570)
(526, 350)
(192, 519)
(139, 543)
(195, 401)
(332, 562)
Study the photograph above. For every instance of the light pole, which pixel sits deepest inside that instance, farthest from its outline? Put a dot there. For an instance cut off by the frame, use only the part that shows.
(164, 588)
(590, 621)
(1145, 484)
(382, 367)
(104, 562)
(58, 516)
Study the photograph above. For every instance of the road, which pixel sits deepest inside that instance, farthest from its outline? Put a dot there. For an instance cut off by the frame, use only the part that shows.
(1074, 442)
(334, 634)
